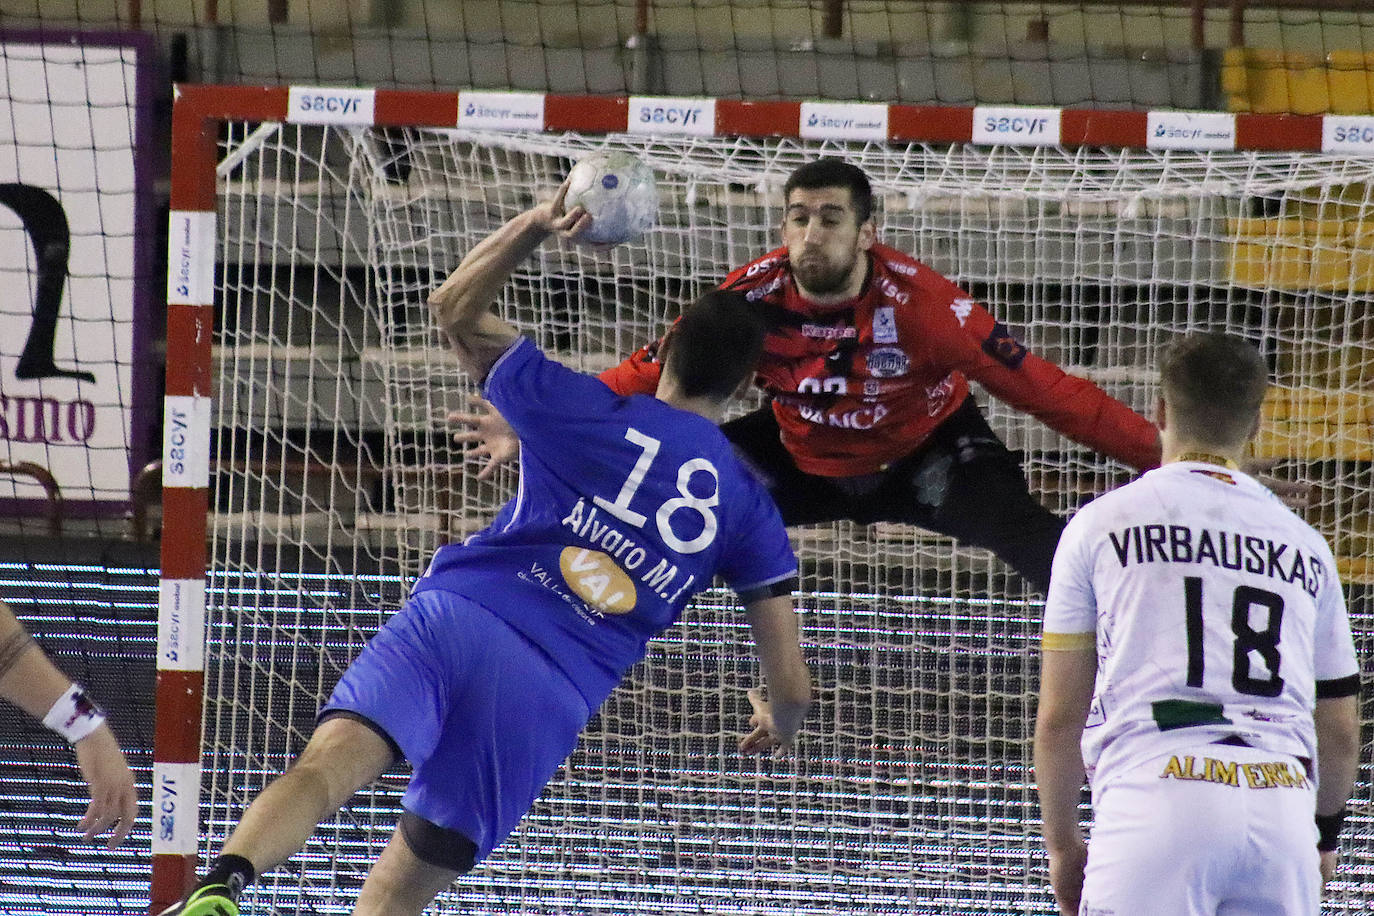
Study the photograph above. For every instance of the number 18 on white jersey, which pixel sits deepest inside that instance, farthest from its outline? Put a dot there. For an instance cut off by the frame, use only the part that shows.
(1215, 612)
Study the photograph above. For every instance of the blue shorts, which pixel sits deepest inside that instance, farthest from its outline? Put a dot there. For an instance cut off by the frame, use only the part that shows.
(483, 716)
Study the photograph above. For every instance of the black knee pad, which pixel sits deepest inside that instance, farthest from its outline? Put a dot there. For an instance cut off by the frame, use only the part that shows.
(440, 846)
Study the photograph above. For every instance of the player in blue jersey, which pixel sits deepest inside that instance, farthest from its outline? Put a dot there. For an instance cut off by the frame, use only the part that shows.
(511, 641)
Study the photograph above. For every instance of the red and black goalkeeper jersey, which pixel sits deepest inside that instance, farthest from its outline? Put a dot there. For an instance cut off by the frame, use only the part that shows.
(859, 384)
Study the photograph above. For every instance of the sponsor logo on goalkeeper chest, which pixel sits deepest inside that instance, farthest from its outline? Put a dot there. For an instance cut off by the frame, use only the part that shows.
(887, 362)
(892, 291)
(860, 418)
(829, 332)
(758, 292)
(759, 267)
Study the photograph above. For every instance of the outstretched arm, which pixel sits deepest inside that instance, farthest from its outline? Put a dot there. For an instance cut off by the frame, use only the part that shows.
(31, 682)
(462, 303)
(777, 640)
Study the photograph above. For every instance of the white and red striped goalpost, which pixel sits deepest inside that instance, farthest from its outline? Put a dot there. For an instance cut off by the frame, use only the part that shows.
(308, 475)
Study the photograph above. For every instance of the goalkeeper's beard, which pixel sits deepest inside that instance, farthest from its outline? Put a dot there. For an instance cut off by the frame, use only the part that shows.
(815, 276)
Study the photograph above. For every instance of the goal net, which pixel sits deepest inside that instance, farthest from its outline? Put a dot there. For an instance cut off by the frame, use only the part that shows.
(333, 477)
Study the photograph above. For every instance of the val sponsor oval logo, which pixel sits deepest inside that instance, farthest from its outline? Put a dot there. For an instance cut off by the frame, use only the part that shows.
(595, 578)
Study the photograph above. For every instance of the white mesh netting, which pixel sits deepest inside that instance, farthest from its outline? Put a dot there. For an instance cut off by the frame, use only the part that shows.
(911, 791)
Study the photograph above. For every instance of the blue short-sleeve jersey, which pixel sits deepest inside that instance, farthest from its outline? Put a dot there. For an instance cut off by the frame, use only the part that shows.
(626, 508)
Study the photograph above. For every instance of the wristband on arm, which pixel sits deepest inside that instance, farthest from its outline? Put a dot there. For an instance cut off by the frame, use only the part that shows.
(74, 715)
(1329, 829)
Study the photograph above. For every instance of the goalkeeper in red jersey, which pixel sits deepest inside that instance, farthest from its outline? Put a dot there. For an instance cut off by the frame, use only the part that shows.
(867, 362)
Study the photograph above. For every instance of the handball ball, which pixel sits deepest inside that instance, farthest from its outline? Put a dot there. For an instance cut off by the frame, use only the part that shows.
(618, 190)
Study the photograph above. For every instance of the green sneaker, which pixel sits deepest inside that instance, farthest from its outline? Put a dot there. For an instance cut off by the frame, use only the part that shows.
(211, 900)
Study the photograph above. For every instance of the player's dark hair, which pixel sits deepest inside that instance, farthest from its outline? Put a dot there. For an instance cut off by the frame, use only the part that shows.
(1214, 385)
(715, 345)
(832, 172)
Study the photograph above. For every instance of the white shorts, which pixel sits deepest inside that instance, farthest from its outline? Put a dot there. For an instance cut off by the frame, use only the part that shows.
(1214, 830)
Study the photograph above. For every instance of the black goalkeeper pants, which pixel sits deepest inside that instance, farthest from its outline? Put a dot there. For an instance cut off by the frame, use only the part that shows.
(962, 482)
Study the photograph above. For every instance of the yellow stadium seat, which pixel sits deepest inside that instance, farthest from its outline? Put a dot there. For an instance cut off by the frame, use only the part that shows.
(1308, 92)
(1317, 424)
(1348, 80)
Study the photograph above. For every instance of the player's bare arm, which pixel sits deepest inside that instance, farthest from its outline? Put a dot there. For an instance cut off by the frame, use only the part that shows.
(461, 305)
(1067, 677)
(1337, 720)
(778, 715)
(34, 684)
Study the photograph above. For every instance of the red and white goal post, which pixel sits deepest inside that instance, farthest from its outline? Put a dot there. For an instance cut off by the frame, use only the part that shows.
(308, 472)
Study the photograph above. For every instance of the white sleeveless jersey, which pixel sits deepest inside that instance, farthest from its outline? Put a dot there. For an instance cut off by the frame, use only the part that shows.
(1215, 612)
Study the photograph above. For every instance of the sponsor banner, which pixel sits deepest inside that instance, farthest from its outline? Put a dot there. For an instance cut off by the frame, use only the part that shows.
(664, 115)
(501, 110)
(181, 625)
(176, 808)
(70, 202)
(186, 442)
(330, 105)
(1348, 134)
(191, 257)
(1190, 130)
(843, 121)
(1016, 126)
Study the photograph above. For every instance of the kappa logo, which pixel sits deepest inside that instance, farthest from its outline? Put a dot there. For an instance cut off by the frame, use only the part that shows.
(828, 332)
(887, 362)
(961, 308)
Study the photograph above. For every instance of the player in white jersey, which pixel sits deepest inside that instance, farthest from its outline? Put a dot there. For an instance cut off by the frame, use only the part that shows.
(1198, 668)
